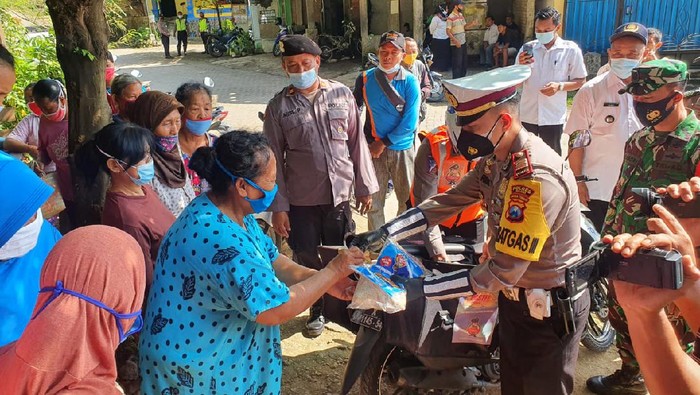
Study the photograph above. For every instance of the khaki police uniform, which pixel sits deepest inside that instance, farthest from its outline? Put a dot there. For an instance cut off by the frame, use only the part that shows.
(534, 224)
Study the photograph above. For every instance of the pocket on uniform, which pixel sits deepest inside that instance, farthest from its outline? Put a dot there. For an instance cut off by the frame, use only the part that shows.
(339, 124)
(298, 133)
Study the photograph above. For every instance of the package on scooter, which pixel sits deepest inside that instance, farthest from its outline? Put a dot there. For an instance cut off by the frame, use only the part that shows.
(476, 319)
(375, 289)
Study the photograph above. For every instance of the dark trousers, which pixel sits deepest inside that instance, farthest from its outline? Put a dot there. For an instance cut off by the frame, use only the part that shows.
(205, 37)
(165, 40)
(551, 134)
(313, 226)
(442, 57)
(459, 61)
(538, 356)
(181, 41)
(597, 214)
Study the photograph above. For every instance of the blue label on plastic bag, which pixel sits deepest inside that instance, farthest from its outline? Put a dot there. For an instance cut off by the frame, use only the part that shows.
(393, 260)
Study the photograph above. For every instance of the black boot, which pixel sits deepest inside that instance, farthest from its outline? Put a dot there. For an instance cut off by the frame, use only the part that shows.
(618, 383)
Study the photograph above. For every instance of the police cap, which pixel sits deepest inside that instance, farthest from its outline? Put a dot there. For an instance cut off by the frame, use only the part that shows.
(297, 44)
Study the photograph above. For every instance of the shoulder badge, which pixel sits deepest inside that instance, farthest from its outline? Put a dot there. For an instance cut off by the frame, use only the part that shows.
(522, 164)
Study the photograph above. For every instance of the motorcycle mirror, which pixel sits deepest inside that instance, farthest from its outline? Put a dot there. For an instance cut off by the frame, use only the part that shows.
(373, 58)
(136, 73)
(697, 60)
(579, 139)
(209, 82)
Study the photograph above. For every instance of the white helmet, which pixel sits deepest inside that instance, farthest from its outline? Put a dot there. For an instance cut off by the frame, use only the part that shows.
(453, 130)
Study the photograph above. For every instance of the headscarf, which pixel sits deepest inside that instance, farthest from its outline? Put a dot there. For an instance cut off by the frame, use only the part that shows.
(70, 344)
(148, 111)
(21, 195)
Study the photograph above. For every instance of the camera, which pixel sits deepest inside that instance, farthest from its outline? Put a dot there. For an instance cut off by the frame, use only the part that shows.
(652, 268)
(677, 207)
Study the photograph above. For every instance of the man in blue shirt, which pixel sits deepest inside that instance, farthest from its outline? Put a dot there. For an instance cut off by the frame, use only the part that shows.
(392, 97)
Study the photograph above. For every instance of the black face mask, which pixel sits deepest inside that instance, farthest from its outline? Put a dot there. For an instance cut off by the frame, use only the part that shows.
(651, 114)
(473, 146)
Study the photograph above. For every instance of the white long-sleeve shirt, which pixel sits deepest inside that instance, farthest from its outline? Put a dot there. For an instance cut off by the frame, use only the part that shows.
(491, 34)
(438, 28)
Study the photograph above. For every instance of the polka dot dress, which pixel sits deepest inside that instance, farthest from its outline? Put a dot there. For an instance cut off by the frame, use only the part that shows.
(211, 281)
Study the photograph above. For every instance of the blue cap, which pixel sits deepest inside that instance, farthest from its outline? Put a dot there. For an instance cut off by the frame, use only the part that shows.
(632, 29)
(21, 194)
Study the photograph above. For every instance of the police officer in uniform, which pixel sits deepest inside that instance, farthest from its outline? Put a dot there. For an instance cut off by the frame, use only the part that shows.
(313, 126)
(533, 219)
(181, 28)
(438, 167)
(204, 30)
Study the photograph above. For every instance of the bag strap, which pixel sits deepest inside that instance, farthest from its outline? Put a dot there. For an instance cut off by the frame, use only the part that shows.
(389, 91)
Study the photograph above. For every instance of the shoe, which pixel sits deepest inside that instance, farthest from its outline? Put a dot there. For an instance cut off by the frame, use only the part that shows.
(315, 325)
(618, 383)
(169, 57)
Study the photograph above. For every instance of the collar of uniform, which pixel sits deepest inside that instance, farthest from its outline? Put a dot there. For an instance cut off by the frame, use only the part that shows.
(613, 81)
(323, 85)
(520, 141)
(687, 128)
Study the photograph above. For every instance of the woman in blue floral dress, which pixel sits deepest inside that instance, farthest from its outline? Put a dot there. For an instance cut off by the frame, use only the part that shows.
(221, 289)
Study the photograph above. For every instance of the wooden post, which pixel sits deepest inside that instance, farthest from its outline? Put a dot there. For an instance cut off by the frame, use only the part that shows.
(364, 27)
(418, 21)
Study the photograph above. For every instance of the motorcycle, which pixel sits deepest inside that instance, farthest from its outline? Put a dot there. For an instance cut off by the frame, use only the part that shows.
(284, 30)
(388, 356)
(220, 44)
(437, 91)
(340, 46)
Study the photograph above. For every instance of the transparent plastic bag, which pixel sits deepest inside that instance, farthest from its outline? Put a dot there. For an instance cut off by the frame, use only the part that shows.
(476, 319)
(375, 289)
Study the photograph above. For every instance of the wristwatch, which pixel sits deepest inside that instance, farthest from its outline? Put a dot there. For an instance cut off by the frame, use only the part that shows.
(561, 86)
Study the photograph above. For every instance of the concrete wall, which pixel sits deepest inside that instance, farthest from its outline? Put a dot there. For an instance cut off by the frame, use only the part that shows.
(524, 11)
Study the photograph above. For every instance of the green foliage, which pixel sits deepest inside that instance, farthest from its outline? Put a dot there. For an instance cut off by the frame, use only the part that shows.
(115, 20)
(243, 45)
(140, 38)
(84, 52)
(35, 59)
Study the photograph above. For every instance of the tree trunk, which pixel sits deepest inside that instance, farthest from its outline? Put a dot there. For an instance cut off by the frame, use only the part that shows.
(81, 46)
(218, 15)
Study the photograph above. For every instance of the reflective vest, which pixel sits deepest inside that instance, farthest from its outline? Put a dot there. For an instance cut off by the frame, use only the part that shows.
(203, 25)
(451, 167)
(229, 24)
(181, 24)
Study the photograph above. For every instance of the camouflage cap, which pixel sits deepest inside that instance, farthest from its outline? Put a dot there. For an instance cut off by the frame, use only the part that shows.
(650, 76)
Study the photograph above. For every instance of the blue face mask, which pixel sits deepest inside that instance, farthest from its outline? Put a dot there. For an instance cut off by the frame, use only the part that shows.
(258, 205)
(303, 80)
(198, 128)
(118, 317)
(545, 38)
(623, 67)
(146, 173)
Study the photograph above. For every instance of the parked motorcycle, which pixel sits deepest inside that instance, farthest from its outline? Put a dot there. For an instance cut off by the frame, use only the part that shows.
(284, 30)
(220, 44)
(388, 356)
(340, 46)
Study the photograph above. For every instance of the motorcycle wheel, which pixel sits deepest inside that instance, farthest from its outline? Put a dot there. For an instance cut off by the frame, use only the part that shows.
(599, 334)
(357, 49)
(437, 93)
(216, 50)
(276, 49)
(377, 378)
(326, 53)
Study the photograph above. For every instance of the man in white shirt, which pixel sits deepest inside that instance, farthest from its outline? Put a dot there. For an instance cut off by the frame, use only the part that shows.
(557, 67)
(490, 39)
(610, 117)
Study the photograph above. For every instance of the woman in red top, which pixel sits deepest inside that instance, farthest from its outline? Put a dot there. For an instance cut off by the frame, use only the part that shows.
(196, 121)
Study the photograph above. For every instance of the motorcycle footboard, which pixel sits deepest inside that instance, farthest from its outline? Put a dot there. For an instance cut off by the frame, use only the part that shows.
(360, 354)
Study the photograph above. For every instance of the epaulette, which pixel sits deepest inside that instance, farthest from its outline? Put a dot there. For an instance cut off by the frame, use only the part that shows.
(522, 164)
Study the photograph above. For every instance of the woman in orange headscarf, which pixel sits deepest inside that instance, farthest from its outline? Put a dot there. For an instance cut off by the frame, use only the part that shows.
(92, 287)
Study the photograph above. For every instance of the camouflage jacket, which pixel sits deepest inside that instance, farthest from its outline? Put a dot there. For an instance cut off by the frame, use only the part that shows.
(652, 160)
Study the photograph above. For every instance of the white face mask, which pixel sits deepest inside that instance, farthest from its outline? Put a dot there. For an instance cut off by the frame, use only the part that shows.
(24, 240)
(545, 38)
(391, 70)
(623, 67)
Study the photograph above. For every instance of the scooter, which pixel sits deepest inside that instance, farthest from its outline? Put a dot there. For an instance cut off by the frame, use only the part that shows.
(388, 356)
(284, 30)
(340, 46)
(218, 114)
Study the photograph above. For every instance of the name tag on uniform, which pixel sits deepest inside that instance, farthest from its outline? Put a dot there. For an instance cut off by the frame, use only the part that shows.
(610, 104)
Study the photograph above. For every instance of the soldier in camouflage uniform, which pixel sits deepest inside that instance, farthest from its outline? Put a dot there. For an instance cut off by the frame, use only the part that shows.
(665, 152)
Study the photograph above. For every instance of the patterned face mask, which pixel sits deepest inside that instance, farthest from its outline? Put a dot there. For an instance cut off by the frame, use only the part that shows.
(58, 290)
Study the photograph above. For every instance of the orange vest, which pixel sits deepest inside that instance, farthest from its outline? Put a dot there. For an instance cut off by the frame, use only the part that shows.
(451, 167)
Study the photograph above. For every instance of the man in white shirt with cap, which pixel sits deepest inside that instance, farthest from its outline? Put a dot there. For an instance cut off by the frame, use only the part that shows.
(610, 117)
(557, 67)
